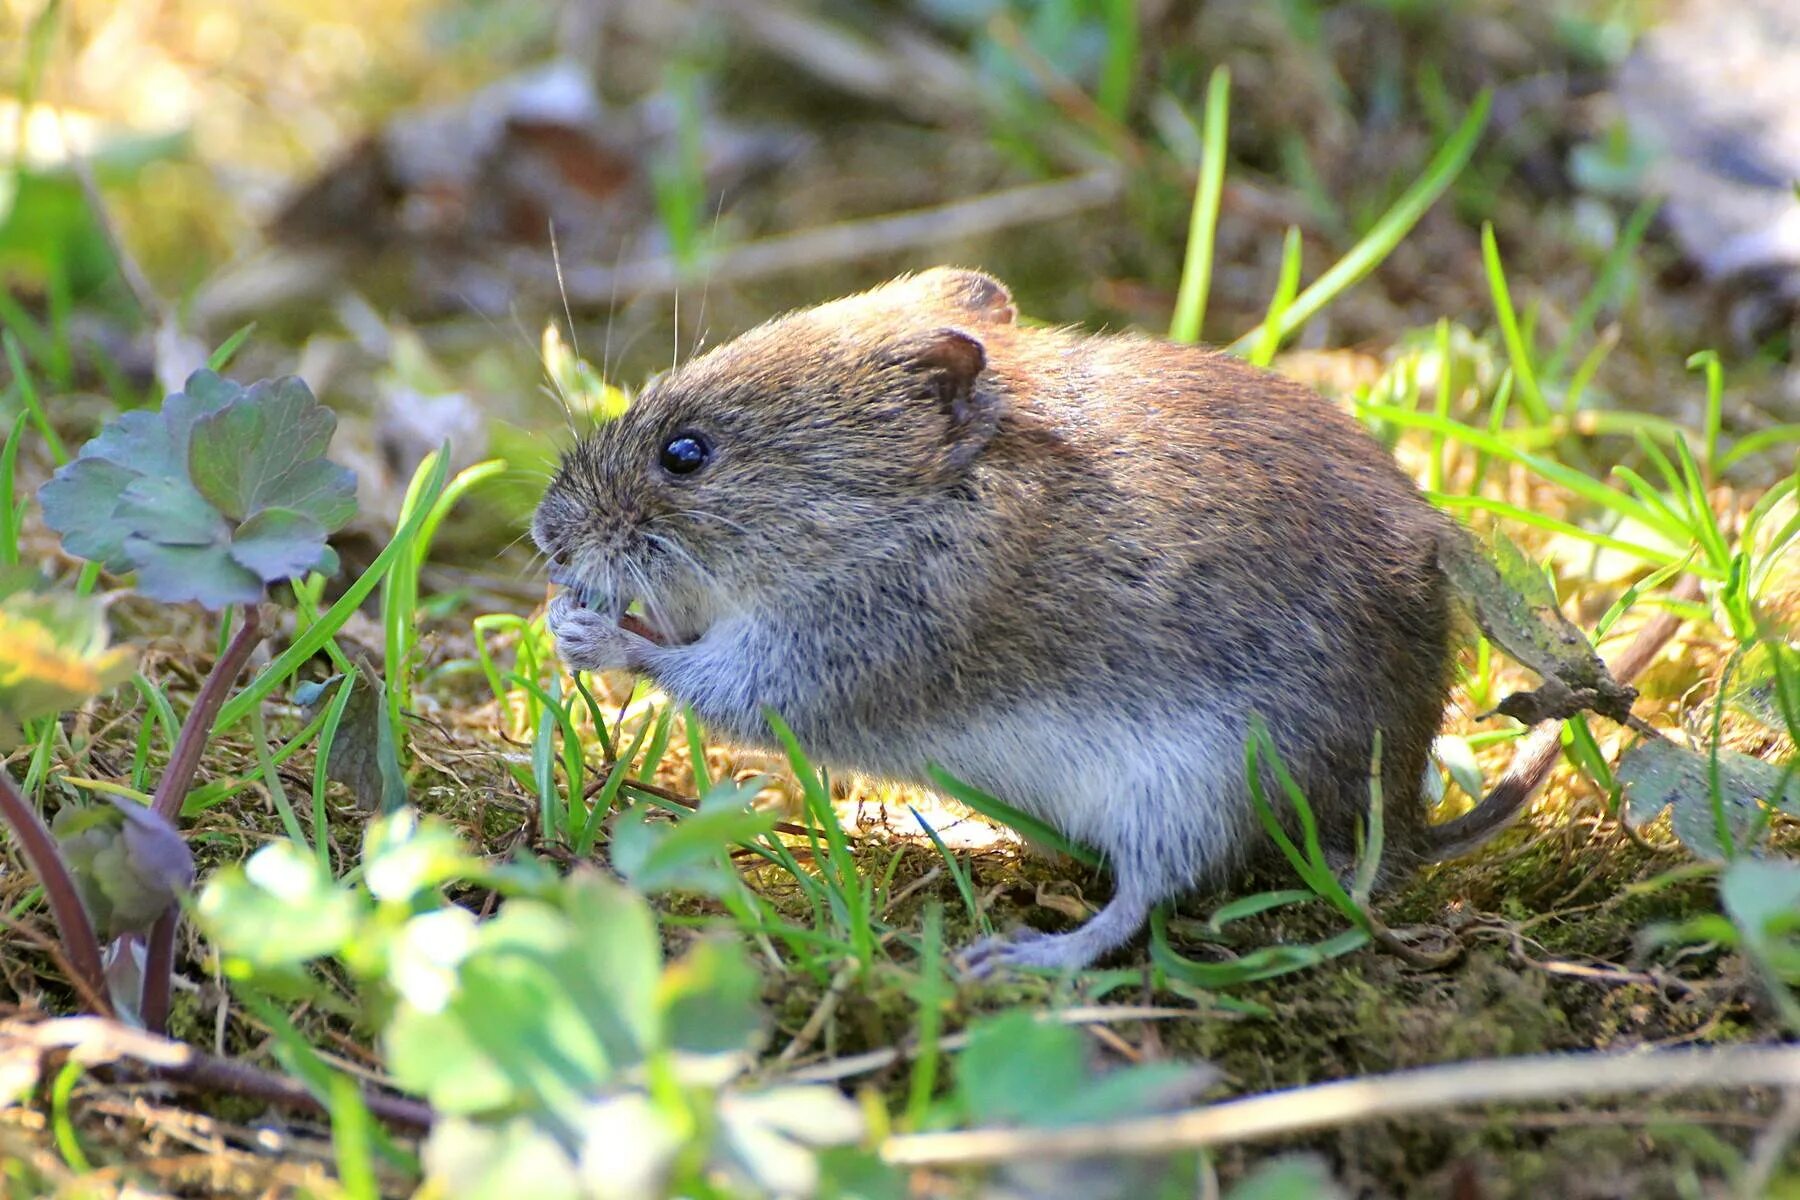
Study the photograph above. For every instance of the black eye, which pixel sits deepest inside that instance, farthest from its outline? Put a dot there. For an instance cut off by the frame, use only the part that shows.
(684, 453)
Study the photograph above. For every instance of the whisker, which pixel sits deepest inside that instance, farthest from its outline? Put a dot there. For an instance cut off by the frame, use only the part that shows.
(706, 281)
(555, 387)
(704, 513)
(681, 552)
(612, 311)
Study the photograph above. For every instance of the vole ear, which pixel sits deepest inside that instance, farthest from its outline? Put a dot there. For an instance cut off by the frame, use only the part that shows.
(953, 362)
(974, 293)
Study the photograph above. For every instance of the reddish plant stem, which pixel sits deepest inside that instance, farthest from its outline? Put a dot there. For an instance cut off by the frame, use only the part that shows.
(159, 970)
(72, 924)
(172, 789)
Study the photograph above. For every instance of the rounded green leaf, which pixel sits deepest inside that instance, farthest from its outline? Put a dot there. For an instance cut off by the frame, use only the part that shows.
(239, 456)
(278, 543)
(204, 574)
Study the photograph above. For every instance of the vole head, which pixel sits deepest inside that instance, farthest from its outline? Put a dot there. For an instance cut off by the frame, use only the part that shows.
(793, 451)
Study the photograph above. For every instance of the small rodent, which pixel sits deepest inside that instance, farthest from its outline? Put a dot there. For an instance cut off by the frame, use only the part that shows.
(1066, 568)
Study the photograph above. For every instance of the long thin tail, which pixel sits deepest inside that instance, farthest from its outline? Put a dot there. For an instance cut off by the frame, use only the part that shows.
(1532, 765)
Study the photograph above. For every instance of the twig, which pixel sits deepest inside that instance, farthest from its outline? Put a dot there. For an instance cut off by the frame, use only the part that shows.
(848, 241)
(874, 1060)
(1346, 1101)
(100, 1041)
(815, 1024)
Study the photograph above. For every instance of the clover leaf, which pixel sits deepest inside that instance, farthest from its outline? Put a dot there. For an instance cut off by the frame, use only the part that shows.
(223, 492)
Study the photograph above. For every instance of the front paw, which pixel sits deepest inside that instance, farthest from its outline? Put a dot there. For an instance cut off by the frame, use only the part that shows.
(590, 641)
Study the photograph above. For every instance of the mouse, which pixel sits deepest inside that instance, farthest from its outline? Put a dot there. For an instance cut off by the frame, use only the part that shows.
(1070, 569)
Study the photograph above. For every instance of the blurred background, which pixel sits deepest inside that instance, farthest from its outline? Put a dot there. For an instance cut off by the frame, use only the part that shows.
(388, 188)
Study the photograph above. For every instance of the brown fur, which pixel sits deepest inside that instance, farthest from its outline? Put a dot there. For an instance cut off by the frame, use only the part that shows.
(928, 534)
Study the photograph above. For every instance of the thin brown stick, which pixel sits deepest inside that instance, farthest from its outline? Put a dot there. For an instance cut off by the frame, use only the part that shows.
(1349, 1101)
(105, 1043)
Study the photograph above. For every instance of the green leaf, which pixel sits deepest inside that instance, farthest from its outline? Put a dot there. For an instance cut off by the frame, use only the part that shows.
(278, 543)
(1021, 1070)
(278, 909)
(1762, 897)
(712, 1011)
(56, 652)
(1657, 774)
(129, 862)
(240, 455)
(437, 1055)
(511, 1161)
(772, 1138)
(81, 503)
(220, 493)
(404, 858)
(689, 853)
(1290, 1178)
(204, 574)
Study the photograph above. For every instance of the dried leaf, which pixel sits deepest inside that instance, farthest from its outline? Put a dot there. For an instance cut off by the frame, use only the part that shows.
(363, 757)
(1518, 613)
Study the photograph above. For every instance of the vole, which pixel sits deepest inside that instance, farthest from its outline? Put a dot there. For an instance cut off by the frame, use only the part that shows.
(1066, 568)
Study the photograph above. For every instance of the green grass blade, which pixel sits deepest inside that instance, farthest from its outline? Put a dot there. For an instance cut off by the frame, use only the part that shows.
(959, 874)
(33, 403)
(12, 514)
(309, 642)
(1287, 282)
(1387, 233)
(221, 358)
(994, 809)
(1585, 486)
(1605, 284)
(1203, 222)
(1518, 352)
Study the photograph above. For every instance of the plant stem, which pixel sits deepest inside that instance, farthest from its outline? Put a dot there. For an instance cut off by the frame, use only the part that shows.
(72, 922)
(173, 788)
(159, 970)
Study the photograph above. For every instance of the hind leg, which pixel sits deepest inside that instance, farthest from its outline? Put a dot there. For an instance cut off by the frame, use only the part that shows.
(1124, 915)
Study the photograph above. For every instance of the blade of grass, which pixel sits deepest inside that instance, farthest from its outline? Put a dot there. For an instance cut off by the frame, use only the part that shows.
(1386, 233)
(1585, 486)
(1023, 823)
(308, 643)
(334, 716)
(1518, 352)
(1203, 222)
(1605, 284)
(28, 396)
(12, 513)
(221, 358)
(290, 821)
(959, 874)
(1286, 284)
